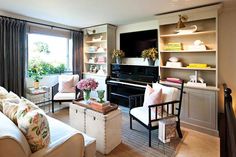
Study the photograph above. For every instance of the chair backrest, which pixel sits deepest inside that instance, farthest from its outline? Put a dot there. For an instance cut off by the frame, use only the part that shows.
(170, 93)
(63, 78)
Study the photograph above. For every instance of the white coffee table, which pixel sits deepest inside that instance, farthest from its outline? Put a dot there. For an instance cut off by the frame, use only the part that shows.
(105, 128)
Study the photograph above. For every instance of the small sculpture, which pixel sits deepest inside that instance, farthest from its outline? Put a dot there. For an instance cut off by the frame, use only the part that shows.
(193, 79)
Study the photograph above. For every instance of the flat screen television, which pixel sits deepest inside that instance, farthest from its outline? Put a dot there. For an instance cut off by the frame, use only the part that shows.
(133, 43)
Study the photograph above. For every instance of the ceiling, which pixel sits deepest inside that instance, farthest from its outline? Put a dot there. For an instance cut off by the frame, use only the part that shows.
(84, 13)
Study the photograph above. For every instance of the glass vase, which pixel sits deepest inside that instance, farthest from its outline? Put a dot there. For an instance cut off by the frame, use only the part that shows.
(151, 62)
(118, 60)
(86, 94)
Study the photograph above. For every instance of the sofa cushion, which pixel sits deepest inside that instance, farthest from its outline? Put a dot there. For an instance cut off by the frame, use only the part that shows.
(11, 137)
(65, 131)
(142, 114)
(64, 96)
(35, 127)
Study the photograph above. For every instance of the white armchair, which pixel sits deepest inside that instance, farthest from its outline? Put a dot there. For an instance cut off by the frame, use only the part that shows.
(149, 115)
(65, 90)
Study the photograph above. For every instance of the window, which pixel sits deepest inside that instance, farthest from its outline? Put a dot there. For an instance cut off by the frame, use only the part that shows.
(50, 53)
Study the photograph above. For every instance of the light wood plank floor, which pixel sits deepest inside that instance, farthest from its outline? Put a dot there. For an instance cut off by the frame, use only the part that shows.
(194, 144)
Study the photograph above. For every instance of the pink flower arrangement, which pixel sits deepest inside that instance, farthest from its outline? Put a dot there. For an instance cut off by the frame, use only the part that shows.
(87, 84)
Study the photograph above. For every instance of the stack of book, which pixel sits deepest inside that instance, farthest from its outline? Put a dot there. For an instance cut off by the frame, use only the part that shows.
(197, 65)
(101, 59)
(167, 129)
(173, 47)
(174, 80)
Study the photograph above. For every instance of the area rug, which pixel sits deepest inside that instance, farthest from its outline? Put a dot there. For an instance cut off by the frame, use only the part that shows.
(134, 141)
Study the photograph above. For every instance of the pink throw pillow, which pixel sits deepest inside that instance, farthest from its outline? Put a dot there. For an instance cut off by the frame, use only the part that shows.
(67, 86)
(152, 97)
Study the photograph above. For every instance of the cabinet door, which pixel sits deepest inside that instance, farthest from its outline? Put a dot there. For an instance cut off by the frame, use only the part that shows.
(199, 108)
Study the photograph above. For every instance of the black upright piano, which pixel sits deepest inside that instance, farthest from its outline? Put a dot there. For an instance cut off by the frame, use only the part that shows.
(126, 80)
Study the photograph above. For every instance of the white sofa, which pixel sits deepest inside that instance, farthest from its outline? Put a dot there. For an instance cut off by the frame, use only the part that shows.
(65, 141)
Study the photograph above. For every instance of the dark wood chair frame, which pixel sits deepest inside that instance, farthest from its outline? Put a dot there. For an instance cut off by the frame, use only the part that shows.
(137, 100)
(55, 91)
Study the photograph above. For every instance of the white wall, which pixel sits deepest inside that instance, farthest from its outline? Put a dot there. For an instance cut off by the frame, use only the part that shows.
(145, 25)
(13, 15)
(227, 52)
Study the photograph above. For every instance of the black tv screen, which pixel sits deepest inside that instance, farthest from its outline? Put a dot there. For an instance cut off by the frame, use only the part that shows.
(134, 43)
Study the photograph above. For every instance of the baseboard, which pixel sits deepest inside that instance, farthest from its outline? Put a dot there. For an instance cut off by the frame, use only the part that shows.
(200, 129)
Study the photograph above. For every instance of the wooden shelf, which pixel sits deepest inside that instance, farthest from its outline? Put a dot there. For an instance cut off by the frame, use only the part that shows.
(185, 68)
(91, 42)
(96, 63)
(186, 86)
(189, 34)
(188, 51)
(94, 74)
(95, 52)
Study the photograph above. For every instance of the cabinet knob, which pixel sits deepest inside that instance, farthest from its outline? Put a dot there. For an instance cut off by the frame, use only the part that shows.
(76, 111)
(94, 118)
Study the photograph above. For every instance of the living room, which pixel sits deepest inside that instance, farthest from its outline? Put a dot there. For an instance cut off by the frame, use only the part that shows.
(81, 78)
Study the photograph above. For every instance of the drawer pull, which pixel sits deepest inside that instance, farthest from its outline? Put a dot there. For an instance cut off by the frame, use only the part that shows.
(76, 111)
(94, 118)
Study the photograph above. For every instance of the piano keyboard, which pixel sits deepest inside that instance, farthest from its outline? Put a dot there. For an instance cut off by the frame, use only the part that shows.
(126, 83)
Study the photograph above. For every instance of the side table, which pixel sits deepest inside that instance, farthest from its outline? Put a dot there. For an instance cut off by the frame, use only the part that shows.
(106, 128)
(40, 96)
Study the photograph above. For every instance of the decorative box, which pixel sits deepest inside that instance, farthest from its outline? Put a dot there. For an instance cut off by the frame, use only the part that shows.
(174, 64)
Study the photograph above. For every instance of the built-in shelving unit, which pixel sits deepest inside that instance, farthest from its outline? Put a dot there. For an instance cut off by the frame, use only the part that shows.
(99, 41)
(199, 105)
(207, 34)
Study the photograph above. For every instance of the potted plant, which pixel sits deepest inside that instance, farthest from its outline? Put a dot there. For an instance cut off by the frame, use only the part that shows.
(151, 54)
(36, 73)
(117, 54)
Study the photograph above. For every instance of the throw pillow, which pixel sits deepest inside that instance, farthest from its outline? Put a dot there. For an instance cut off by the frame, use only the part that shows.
(9, 97)
(28, 103)
(62, 78)
(152, 97)
(25, 106)
(168, 93)
(34, 125)
(10, 110)
(3, 94)
(67, 86)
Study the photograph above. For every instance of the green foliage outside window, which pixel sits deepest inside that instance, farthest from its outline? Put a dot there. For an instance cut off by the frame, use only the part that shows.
(43, 68)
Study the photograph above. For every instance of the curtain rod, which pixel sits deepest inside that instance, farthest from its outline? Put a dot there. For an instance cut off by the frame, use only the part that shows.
(38, 23)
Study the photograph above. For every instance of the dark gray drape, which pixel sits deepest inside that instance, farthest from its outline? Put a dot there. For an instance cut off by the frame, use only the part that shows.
(77, 38)
(12, 55)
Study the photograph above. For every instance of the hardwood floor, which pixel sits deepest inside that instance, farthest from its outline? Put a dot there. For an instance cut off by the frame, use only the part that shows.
(194, 144)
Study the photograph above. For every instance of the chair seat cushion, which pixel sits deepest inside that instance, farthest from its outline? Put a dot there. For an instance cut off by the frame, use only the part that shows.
(64, 96)
(141, 113)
